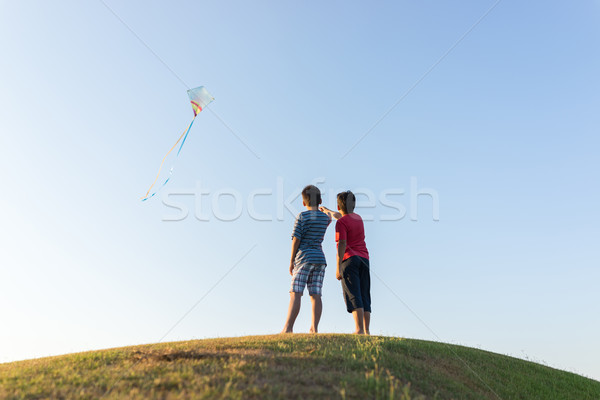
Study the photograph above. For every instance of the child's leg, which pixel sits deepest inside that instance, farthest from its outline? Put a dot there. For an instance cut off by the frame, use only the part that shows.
(317, 310)
(359, 317)
(299, 278)
(367, 319)
(352, 294)
(315, 289)
(365, 291)
(293, 311)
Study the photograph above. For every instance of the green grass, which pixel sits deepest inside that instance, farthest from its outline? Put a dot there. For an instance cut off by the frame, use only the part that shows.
(291, 367)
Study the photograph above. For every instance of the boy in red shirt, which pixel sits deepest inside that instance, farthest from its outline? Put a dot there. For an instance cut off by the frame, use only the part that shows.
(352, 260)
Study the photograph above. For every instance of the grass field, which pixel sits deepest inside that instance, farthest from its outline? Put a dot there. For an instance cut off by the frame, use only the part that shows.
(291, 367)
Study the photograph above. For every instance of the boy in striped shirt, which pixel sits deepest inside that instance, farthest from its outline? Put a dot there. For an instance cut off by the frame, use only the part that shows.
(307, 265)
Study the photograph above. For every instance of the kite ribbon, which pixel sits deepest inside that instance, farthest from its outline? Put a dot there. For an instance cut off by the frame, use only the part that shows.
(200, 98)
(184, 136)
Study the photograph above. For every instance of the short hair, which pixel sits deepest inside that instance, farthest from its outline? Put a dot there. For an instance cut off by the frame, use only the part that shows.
(311, 195)
(346, 201)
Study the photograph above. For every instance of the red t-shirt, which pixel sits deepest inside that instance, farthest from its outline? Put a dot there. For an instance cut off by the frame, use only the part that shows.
(351, 229)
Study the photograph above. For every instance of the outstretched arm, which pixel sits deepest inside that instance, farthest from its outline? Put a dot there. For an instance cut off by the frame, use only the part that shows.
(332, 214)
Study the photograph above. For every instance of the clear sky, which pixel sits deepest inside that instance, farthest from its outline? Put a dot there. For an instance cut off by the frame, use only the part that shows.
(503, 131)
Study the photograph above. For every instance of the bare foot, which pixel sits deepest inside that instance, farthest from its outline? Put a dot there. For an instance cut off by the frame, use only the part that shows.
(359, 332)
(285, 331)
(312, 330)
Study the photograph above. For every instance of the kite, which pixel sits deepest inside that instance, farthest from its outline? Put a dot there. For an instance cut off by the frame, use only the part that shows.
(200, 98)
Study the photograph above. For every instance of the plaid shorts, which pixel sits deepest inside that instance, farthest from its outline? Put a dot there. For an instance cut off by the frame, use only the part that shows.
(311, 275)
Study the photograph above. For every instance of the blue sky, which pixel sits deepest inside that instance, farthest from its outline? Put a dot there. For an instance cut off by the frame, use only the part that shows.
(503, 130)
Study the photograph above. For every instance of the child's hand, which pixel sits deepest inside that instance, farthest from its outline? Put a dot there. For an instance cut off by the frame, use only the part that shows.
(330, 213)
(292, 268)
(338, 276)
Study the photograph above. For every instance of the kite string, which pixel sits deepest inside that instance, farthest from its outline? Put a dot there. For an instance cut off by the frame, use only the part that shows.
(185, 137)
(165, 157)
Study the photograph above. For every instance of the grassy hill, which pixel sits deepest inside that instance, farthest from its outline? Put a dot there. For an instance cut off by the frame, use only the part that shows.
(291, 367)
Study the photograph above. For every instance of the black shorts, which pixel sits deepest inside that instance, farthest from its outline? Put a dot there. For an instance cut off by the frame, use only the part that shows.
(356, 283)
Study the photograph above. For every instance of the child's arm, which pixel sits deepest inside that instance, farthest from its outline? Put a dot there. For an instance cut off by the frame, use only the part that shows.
(331, 213)
(295, 245)
(340, 257)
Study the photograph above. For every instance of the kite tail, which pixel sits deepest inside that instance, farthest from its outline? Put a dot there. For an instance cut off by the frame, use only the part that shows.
(184, 136)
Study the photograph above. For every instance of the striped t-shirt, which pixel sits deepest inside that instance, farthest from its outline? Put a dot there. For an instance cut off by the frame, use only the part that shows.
(310, 228)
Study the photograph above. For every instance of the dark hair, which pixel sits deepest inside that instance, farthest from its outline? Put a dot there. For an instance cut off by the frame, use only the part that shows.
(346, 201)
(311, 195)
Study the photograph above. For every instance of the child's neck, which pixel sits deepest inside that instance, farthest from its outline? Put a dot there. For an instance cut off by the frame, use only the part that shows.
(311, 208)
